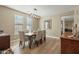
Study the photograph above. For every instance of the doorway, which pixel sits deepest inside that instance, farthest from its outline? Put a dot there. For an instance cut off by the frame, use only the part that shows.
(67, 23)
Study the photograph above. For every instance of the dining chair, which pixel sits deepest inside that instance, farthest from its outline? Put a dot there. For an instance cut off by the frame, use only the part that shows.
(26, 31)
(23, 38)
(38, 38)
(44, 35)
(41, 37)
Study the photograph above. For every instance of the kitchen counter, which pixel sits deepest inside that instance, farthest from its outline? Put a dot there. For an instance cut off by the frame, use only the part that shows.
(69, 44)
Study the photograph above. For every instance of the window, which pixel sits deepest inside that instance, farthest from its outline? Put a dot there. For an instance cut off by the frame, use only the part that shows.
(18, 23)
(29, 23)
(46, 25)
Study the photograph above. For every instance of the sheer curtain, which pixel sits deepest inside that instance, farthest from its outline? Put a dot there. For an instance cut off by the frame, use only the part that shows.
(29, 23)
(18, 24)
(32, 23)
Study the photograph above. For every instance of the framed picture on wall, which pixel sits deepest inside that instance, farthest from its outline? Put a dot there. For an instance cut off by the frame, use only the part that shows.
(48, 24)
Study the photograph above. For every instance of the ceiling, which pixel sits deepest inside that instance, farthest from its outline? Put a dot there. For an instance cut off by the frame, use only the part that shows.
(43, 10)
(69, 18)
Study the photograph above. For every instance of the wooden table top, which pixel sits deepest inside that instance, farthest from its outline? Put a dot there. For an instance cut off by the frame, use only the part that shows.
(30, 34)
(69, 35)
(4, 34)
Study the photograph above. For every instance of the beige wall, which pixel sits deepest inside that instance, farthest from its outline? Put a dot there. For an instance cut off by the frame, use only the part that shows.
(69, 24)
(75, 13)
(56, 28)
(7, 21)
(76, 18)
(7, 18)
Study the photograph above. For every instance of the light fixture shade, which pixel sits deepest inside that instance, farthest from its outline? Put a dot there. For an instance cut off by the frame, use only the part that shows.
(34, 14)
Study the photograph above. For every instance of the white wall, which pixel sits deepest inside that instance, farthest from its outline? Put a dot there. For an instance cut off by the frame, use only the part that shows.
(56, 28)
(76, 18)
(56, 24)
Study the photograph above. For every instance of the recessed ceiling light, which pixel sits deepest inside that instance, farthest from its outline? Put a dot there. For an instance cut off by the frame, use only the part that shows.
(35, 9)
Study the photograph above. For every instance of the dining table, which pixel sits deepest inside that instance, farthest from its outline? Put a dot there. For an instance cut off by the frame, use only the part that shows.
(30, 35)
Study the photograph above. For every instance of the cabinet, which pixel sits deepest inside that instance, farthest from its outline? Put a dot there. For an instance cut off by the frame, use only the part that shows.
(69, 45)
(4, 41)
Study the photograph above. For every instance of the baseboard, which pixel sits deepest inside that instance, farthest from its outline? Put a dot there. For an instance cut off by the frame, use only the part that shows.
(53, 37)
(15, 40)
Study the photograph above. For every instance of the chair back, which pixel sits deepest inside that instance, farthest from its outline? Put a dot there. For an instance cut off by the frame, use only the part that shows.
(38, 35)
(26, 31)
(43, 33)
(21, 35)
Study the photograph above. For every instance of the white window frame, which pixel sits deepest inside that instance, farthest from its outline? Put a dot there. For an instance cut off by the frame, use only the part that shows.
(18, 23)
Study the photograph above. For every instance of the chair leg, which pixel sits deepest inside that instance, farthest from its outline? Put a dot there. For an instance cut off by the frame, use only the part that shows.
(41, 41)
(44, 39)
(20, 43)
(23, 44)
(36, 43)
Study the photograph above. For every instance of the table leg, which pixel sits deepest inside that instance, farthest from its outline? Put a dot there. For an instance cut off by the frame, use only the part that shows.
(44, 39)
(30, 43)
